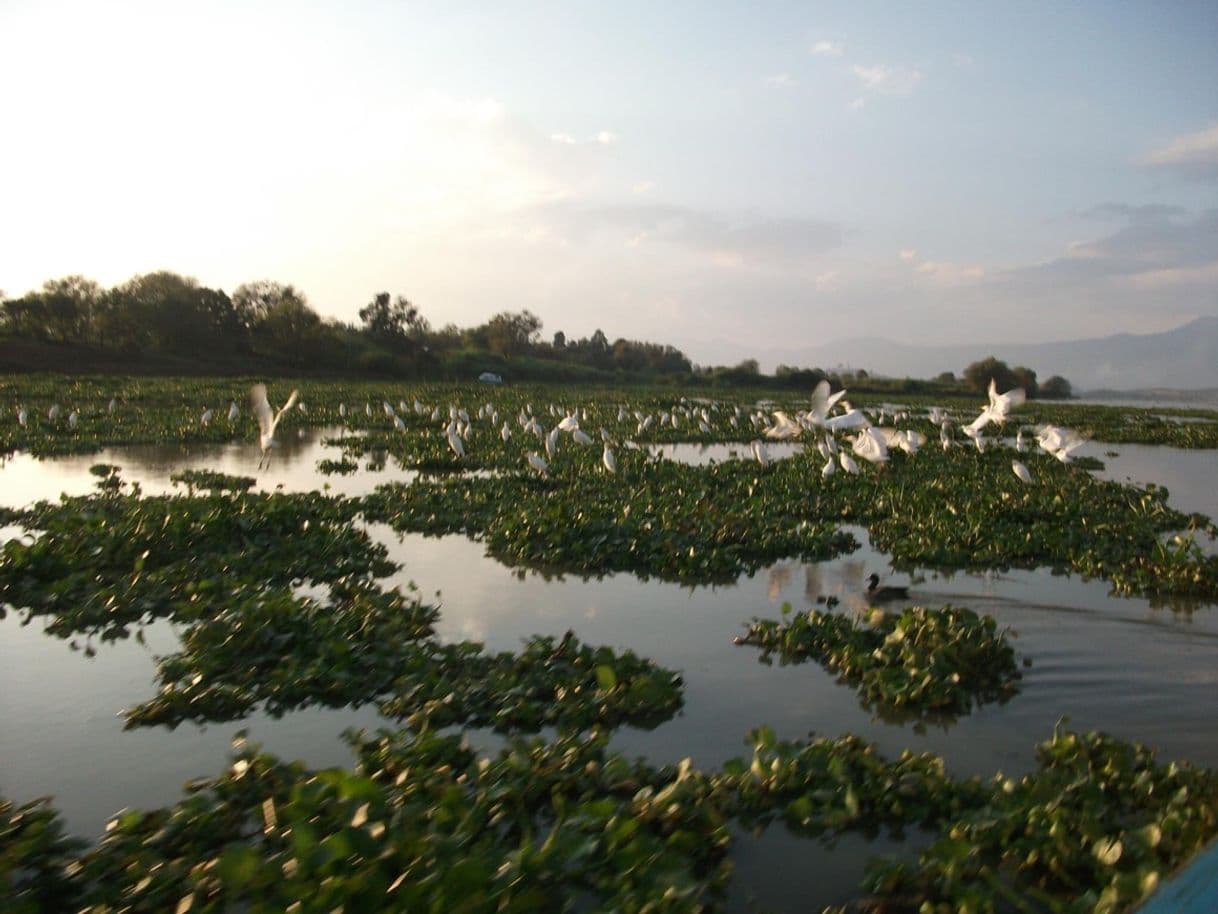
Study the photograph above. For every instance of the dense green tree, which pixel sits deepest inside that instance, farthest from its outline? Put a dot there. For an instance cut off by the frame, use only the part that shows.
(1056, 388)
(510, 334)
(978, 375)
(394, 322)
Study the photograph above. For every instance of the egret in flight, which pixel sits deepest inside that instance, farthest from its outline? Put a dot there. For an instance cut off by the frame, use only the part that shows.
(267, 419)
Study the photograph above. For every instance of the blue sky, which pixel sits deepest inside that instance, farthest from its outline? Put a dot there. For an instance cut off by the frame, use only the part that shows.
(712, 175)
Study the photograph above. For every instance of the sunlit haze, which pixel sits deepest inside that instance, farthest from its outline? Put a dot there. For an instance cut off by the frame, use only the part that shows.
(709, 175)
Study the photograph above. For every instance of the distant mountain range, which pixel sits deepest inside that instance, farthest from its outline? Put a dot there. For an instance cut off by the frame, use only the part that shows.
(1183, 358)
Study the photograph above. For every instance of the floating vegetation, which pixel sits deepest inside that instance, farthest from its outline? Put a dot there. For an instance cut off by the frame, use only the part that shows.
(102, 563)
(922, 660)
(421, 821)
(1095, 829)
(278, 606)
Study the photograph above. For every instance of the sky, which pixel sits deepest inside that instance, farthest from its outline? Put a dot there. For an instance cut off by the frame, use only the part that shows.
(724, 177)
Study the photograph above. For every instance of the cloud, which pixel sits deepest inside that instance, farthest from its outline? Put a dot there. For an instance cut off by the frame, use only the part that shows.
(1156, 246)
(827, 49)
(886, 80)
(781, 81)
(949, 274)
(603, 137)
(730, 239)
(1124, 212)
(1194, 155)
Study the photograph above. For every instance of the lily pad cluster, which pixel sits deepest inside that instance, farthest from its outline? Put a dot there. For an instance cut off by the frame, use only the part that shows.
(923, 660)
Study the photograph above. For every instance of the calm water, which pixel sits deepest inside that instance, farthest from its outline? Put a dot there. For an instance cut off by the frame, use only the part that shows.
(1116, 664)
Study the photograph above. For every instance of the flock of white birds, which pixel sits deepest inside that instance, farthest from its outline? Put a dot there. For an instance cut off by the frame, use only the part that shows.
(829, 416)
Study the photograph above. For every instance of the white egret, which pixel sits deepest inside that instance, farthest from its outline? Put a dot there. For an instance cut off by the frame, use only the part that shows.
(1021, 471)
(822, 402)
(233, 412)
(870, 445)
(761, 455)
(552, 443)
(73, 418)
(113, 405)
(828, 469)
(581, 437)
(267, 419)
(505, 433)
(399, 424)
(23, 416)
(53, 412)
(608, 459)
(206, 417)
(1060, 442)
(854, 418)
(848, 463)
(1020, 444)
(783, 428)
(342, 410)
(537, 462)
(455, 442)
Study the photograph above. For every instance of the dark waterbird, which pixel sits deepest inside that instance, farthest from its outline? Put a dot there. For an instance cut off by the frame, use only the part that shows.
(878, 594)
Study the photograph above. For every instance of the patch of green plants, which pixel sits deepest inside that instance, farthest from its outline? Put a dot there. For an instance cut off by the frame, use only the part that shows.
(1095, 829)
(938, 661)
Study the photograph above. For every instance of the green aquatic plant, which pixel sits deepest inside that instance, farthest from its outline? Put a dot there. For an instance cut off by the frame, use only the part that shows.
(1094, 829)
(942, 661)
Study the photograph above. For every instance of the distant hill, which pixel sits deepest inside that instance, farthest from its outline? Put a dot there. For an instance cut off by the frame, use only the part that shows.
(1186, 357)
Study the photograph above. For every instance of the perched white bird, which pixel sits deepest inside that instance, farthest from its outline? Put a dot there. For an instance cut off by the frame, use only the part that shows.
(552, 443)
(608, 459)
(267, 419)
(848, 463)
(233, 412)
(581, 437)
(537, 462)
(828, 469)
(53, 412)
(761, 455)
(399, 424)
(342, 410)
(1020, 444)
(505, 433)
(23, 416)
(455, 442)
(206, 417)
(113, 405)
(1021, 471)
(73, 418)
(300, 406)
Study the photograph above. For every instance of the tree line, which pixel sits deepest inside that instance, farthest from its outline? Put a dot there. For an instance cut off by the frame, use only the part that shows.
(266, 323)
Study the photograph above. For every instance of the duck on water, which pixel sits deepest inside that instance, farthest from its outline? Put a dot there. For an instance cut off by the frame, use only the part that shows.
(878, 594)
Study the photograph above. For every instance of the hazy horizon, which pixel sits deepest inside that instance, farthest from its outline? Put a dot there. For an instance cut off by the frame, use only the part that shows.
(703, 175)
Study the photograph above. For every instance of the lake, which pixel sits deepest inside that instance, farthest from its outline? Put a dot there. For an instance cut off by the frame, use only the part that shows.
(1117, 664)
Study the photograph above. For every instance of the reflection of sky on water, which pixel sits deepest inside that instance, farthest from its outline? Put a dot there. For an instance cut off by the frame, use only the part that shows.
(1115, 664)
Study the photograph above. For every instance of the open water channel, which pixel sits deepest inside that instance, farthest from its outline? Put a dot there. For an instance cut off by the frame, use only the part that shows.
(1142, 672)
